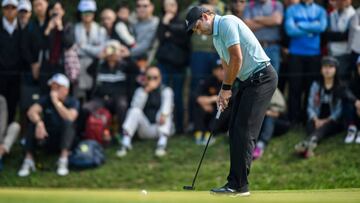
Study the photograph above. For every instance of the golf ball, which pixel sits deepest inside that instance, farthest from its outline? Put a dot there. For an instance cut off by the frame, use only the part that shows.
(144, 192)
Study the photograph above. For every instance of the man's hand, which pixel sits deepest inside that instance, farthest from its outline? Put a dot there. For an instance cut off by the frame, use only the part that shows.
(357, 104)
(40, 131)
(54, 97)
(2, 149)
(320, 122)
(162, 119)
(223, 99)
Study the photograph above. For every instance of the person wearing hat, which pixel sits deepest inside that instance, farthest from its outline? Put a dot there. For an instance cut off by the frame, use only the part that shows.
(11, 55)
(205, 109)
(115, 82)
(24, 13)
(352, 108)
(324, 108)
(52, 125)
(90, 39)
(246, 65)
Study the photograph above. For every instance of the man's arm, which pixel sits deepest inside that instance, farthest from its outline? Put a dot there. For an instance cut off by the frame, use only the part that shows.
(232, 69)
(273, 20)
(68, 114)
(34, 113)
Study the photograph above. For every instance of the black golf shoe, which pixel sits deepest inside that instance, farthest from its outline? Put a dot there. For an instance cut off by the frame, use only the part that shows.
(227, 191)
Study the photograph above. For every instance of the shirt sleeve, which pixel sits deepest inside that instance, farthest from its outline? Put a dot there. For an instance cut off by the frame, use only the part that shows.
(279, 8)
(229, 32)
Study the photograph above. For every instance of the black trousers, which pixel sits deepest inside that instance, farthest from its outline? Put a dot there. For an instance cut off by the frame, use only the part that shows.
(10, 89)
(303, 70)
(250, 102)
(329, 129)
(60, 137)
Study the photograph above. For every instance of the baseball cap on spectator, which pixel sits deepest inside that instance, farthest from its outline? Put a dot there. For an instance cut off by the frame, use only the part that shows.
(87, 6)
(24, 5)
(193, 15)
(112, 47)
(9, 2)
(329, 61)
(59, 79)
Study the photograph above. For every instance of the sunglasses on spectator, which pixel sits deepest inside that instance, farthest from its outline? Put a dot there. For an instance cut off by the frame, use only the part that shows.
(9, 7)
(151, 77)
(142, 5)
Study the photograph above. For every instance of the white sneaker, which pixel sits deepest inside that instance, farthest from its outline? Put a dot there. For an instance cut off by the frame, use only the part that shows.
(27, 166)
(357, 140)
(351, 134)
(160, 151)
(122, 152)
(62, 169)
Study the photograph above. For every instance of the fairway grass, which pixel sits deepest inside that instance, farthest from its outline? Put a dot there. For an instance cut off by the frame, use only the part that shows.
(109, 196)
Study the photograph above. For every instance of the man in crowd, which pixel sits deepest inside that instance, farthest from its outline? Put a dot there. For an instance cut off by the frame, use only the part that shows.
(52, 125)
(144, 28)
(264, 18)
(24, 13)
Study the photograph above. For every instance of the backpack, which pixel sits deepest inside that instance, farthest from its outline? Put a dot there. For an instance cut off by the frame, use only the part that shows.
(88, 154)
(98, 125)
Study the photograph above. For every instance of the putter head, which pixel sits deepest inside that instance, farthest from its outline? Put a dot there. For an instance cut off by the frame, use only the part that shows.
(189, 188)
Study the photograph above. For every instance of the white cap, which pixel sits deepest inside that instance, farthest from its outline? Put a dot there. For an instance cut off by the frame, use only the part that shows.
(112, 47)
(24, 5)
(87, 5)
(9, 2)
(59, 79)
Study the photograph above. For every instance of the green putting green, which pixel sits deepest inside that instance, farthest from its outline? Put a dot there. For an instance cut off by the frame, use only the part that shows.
(120, 196)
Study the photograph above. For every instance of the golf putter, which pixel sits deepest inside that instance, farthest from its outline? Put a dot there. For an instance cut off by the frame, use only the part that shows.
(192, 187)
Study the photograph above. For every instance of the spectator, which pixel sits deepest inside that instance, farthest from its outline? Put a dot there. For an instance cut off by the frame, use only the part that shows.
(205, 109)
(172, 55)
(108, 18)
(273, 123)
(90, 39)
(337, 36)
(122, 25)
(324, 108)
(237, 8)
(150, 114)
(8, 134)
(115, 81)
(354, 36)
(264, 18)
(352, 108)
(55, 130)
(304, 22)
(58, 37)
(11, 46)
(36, 30)
(144, 28)
(24, 13)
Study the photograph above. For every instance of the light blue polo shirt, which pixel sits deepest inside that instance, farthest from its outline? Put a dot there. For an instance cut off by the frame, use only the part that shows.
(230, 30)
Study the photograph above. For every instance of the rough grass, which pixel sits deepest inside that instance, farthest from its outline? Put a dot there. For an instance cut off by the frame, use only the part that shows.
(335, 165)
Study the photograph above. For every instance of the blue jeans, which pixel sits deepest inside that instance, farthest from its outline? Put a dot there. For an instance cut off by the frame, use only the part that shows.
(174, 77)
(267, 129)
(273, 52)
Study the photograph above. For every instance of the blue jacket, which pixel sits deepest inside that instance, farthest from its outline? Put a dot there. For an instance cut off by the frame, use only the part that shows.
(314, 103)
(304, 24)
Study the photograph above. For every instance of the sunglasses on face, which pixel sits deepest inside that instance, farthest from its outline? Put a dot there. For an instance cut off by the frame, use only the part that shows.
(150, 77)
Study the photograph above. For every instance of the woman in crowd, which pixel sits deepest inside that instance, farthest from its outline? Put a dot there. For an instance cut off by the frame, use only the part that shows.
(324, 108)
(90, 38)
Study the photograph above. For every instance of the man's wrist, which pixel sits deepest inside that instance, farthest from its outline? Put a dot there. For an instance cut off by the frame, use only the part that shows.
(226, 87)
(38, 122)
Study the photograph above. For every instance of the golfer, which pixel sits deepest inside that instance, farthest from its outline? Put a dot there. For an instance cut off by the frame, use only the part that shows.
(248, 68)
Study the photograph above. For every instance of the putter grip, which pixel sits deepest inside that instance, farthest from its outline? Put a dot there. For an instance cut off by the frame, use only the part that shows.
(218, 114)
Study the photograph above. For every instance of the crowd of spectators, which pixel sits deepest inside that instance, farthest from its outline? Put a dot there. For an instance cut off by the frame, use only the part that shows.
(156, 80)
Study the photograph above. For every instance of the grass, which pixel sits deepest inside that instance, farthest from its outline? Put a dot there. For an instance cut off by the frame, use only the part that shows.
(335, 165)
(108, 196)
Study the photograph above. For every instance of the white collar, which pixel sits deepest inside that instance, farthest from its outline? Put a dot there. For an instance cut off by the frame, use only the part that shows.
(9, 27)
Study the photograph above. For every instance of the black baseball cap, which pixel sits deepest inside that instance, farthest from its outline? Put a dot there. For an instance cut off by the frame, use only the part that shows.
(192, 16)
(329, 61)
